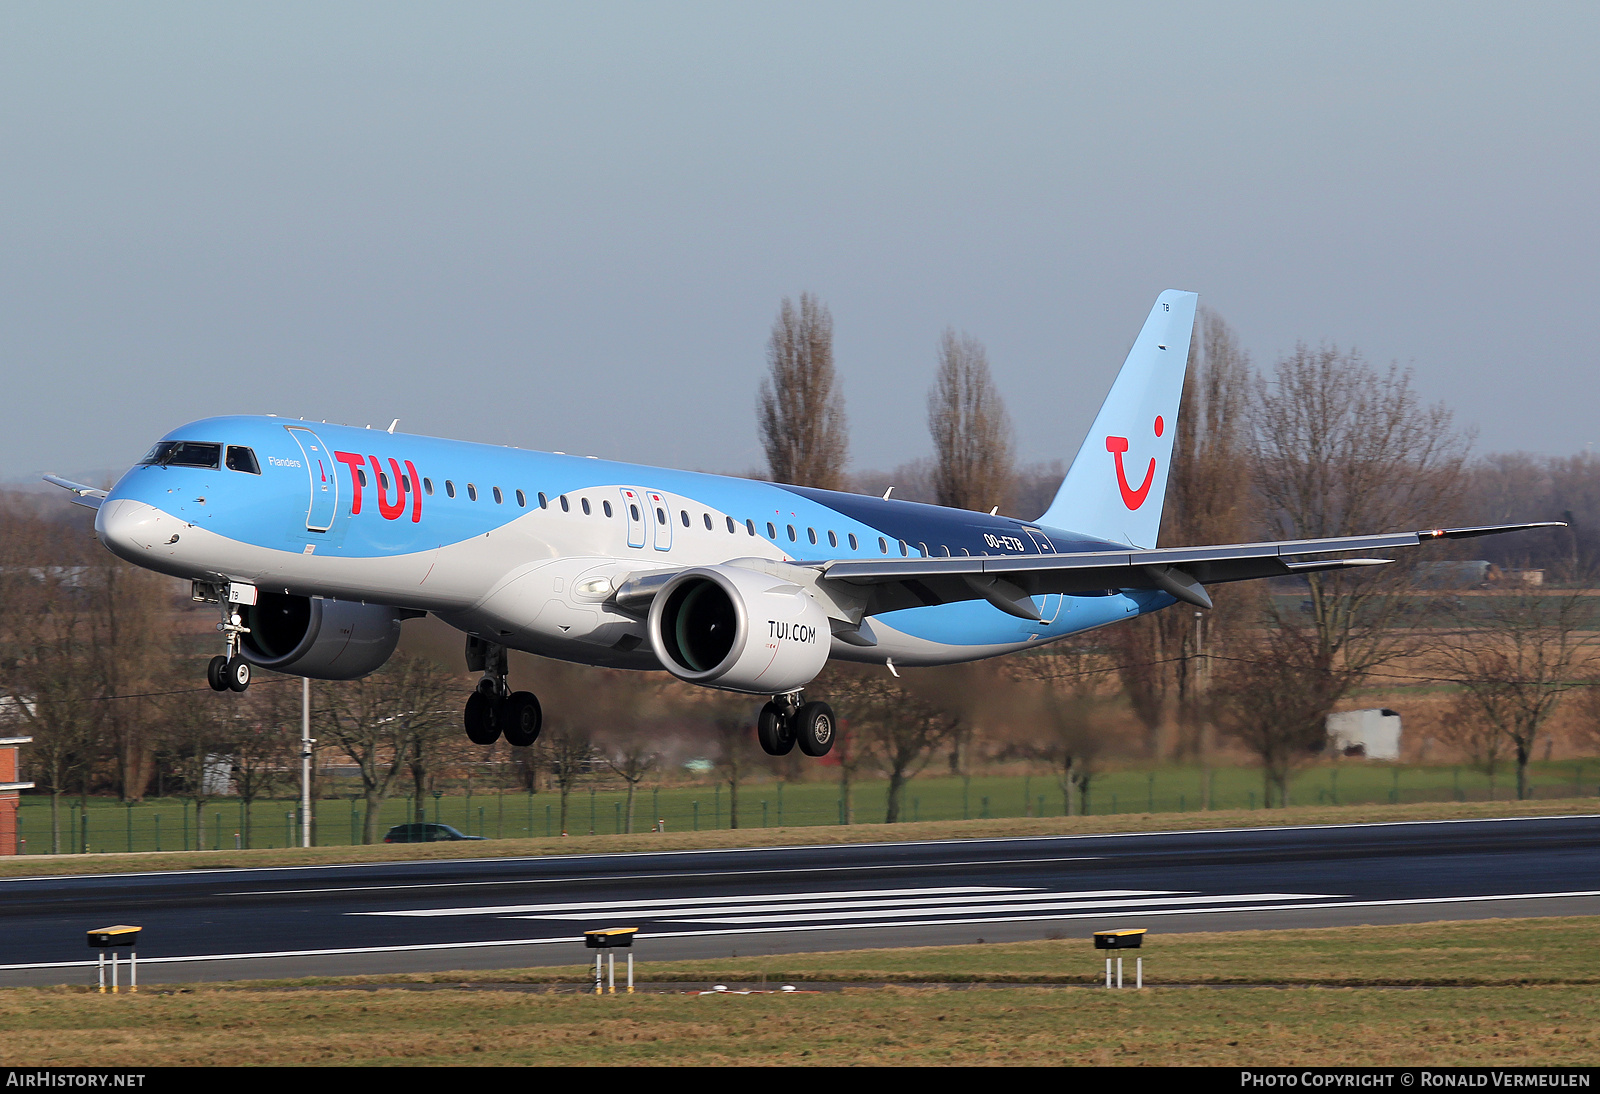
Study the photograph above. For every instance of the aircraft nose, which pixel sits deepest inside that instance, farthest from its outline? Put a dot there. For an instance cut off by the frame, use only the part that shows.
(131, 529)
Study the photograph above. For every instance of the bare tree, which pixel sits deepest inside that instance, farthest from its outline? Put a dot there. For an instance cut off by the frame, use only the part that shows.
(1069, 708)
(732, 727)
(972, 436)
(801, 407)
(902, 721)
(265, 743)
(376, 722)
(1514, 666)
(1340, 449)
(632, 758)
(1274, 697)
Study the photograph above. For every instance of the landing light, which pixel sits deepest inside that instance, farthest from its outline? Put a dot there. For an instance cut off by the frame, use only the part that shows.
(594, 586)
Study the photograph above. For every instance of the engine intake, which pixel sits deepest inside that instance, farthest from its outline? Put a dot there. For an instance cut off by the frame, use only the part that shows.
(322, 639)
(728, 627)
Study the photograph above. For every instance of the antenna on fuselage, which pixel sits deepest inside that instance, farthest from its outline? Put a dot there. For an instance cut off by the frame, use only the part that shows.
(393, 424)
(995, 510)
(887, 492)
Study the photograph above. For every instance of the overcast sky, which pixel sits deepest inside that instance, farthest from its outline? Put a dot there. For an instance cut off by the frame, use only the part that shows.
(570, 226)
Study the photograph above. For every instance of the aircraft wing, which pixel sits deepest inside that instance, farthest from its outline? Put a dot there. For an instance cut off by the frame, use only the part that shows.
(1183, 572)
(91, 496)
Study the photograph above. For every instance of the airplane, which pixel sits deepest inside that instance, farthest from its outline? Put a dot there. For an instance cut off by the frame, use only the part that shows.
(316, 541)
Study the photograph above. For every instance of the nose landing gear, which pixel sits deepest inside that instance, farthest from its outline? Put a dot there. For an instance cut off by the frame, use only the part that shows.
(229, 671)
(494, 709)
(785, 722)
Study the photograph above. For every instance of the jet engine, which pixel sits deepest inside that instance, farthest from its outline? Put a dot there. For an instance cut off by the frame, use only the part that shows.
(728, 627)
(322, 639)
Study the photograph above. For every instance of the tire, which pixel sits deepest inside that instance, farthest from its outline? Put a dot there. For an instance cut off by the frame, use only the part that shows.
(521, 719)
(814, 728)
(237, 674)
(773, 732)
(217, 673)
(480, 719)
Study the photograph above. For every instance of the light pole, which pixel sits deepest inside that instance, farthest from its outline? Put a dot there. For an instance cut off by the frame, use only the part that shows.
(306, 741)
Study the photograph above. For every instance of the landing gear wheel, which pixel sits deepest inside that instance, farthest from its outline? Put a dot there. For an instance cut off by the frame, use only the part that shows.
(237, 674)
(482, 727)
(813, 728)
(217, 673)
(521, 719)
(773, 732)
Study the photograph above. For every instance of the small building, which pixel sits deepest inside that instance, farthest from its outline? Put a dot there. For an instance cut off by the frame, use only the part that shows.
(1372, 734)
(10, 768)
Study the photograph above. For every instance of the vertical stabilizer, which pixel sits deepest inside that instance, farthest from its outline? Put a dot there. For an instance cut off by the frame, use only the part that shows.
(1115, 487)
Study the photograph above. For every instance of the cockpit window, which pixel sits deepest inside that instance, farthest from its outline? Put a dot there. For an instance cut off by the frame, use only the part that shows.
(186, 454)
(242, 459)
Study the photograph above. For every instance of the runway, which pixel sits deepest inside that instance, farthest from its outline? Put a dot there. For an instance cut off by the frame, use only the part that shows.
(511, 912)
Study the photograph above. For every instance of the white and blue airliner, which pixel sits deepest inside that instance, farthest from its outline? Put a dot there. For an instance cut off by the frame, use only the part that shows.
(316, 541)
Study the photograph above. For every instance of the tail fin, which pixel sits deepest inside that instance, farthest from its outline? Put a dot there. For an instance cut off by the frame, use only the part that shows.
(1115, 487)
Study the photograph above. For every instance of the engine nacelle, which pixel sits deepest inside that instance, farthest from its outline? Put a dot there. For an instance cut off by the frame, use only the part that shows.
(728, 627)
(322, 639)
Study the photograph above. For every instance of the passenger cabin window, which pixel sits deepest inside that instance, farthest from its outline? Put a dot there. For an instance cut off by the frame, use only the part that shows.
(903, 549)
(772, 533)
(565, 507)
(731, 526)
(633, 511)
(811, 534)
(606, 505)
(383, 480)
(853, 546)
(792, 536)
(883, 545)
(361, 473)
(499, 499)
(243, 459)
(833, 540)
(427, 487)
(449, 489)
(684, 513)
(661, 515)
(522, 500)
(750, 526)
(184, 454)
(544, 502)
(472, 492)
(708, 521)
(585, 503)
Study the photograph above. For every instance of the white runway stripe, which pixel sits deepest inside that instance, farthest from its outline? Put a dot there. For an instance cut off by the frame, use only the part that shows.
(898, 905)
(624, 905)
(1055, 905)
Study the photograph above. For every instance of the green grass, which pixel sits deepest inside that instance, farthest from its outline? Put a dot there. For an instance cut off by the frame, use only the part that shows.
(1467, 953)
(1509, 993)
(168, 824)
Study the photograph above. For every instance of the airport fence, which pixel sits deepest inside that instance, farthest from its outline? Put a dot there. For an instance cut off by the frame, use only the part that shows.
(223, 823)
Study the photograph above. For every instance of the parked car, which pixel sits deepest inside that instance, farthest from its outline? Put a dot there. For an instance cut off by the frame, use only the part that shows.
(424, 833)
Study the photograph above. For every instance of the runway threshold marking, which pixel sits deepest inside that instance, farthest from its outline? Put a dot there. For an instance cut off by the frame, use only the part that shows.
(803, 927)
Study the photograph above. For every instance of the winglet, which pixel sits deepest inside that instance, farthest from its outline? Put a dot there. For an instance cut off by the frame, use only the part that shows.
(90, 496)
(1115, 487)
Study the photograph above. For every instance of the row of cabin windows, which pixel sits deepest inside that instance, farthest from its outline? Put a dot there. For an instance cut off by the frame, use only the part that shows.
(661, 515)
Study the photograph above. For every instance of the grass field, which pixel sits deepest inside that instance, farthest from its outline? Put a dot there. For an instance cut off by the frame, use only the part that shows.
(168, 824)
(1514, 993)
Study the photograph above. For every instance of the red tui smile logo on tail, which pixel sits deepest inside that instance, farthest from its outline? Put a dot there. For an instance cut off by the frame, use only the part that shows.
(1133, 498)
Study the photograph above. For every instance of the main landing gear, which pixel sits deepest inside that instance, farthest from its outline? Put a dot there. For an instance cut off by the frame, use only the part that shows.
(229, 671)
(786, 722)
(494, 709)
